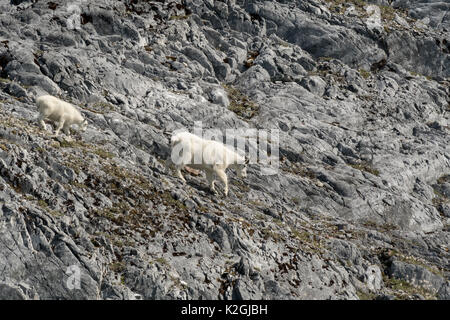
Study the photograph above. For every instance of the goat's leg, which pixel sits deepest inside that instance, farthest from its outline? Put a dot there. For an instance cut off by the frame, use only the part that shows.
(66, 129)
(178, 169)
(60, 125)
(210, 178)
(41, 122)
(223, 176)
(168, 163)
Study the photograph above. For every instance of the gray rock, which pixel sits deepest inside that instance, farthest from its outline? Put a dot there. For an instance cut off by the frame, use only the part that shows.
(428, 64)
(15, 90)
(361, 107)
(373, 278)
(220, 97)
(445, 209)
(314, 84)
(444, 292)
(11, 292)
(416, 275)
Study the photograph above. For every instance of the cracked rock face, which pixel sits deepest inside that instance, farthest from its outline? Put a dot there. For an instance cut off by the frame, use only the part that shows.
(358, 207)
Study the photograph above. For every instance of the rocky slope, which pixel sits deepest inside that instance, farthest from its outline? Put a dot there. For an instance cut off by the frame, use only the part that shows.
(359, 91)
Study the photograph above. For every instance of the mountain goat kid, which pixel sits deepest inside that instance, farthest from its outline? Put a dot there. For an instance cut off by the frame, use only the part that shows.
(211, 156)
(60, 112)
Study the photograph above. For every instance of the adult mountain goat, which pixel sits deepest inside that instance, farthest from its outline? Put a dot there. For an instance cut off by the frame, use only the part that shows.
(211, 156)
(60, 112)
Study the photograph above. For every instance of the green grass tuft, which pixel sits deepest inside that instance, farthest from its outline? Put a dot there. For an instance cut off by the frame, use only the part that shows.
(364, 73)
(240, 103)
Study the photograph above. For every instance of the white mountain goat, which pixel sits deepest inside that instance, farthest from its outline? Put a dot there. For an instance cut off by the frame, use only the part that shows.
(211, 156)
(60, 112)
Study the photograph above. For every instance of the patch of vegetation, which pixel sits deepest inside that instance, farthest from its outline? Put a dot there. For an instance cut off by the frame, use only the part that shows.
(17, 123)
(310, 242)
(364, 166)
(85, 147)
(366, 97)
(202, 209)
(364, 73)
(161, 261)
(440, 199)
(135, 200)
(104, 154)
(416, 74)
(241, 185)
(404, 290)
(240, 103)
(424, 264)
(300, 170)
(79, 185)
(121, 243)
(117, 266)
(72, 144)
(119, 172)
(120, 208)
(38, 53)
(386, 227)
(443, 179)
(339, 6)
(301, 235)
(42, 203)
(255, 203)
(169, 200)
(55, 213)
(40, 149)
(74, 163)
(319, 72)
(100, 107)
(278, 222)
(387, 12)
(4, 80)
(365, 296)
(269, 233)
(260, 216)
(415, 261)
(283, 43)
(103, 105)
(181, 17)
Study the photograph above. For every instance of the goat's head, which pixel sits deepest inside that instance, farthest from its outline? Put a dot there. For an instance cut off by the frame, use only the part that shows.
(83, 125)
(242, 169)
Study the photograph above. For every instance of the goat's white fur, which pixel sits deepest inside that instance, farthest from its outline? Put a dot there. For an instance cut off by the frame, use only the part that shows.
(60, 112)
(211, 156)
